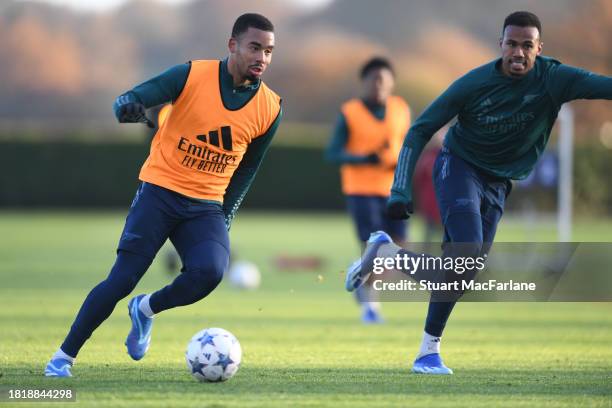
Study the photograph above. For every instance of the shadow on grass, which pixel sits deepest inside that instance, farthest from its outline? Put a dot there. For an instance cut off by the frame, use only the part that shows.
(163, 380)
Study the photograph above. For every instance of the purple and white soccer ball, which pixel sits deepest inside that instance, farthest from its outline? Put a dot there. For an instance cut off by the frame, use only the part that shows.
(213, 355)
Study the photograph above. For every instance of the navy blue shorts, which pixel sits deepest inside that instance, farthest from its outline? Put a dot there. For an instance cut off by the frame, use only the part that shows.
(157, 214)
(463, 189)
(369, 214)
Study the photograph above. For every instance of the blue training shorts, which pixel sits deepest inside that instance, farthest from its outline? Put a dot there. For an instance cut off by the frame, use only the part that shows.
(461, 188)
(157, 214)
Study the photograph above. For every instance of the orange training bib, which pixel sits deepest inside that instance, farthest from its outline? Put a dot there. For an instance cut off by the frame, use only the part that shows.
(368, 134)
(200, 142)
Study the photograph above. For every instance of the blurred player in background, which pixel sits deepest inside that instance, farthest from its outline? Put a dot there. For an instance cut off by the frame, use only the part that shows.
(202, 161)
(366, 142)
(505, 112)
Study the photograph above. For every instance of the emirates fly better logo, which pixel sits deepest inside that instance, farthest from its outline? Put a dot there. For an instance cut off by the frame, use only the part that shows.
(201, 157)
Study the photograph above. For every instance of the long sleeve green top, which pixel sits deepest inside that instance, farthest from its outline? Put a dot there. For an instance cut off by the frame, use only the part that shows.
(503, 123)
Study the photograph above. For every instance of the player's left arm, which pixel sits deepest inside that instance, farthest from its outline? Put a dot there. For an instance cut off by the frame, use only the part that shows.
(247, 169)
(571, 83)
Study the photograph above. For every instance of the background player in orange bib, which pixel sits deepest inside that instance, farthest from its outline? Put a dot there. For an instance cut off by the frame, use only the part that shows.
(203, 159)
(366, 143)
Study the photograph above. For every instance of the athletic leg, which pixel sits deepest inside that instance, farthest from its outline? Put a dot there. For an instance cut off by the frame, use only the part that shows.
(461, 227)
(459, 195)
(397, 229)
(146, 228)
(203, 244)
(367, 215)
(492, 210)
(101, 301)
(458, 190)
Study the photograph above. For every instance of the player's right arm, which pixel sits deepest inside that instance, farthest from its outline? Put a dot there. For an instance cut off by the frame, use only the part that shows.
(438, 114)
(336, 150)
(130, 106)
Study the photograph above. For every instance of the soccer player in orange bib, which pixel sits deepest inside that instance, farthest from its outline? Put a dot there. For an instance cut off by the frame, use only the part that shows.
(202, 161)
(366, 143)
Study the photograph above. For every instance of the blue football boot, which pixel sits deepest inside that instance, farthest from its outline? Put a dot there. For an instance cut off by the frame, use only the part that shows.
(359, 272)
(139, 338)
(371, 316)
(431, 364)
(58, 367)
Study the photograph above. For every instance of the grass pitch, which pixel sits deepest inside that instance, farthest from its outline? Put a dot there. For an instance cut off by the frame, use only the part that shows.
(302, 340)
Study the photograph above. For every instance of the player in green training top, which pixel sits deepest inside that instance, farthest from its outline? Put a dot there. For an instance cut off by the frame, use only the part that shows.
(505, 112)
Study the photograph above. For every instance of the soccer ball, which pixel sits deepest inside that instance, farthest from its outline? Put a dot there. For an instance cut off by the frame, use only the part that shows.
(213, 355)
(244, 275)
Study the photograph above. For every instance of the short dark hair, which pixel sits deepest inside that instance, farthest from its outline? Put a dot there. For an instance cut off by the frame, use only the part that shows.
(254, 20)
(522, 19)
(375, 63)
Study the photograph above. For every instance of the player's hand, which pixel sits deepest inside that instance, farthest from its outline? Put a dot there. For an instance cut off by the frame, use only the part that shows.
(373, 158)
(134, 112)
(399, 210)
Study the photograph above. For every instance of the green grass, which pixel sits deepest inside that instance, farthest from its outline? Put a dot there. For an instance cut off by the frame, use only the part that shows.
(302, 341)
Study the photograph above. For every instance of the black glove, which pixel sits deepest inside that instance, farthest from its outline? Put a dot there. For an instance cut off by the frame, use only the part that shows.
(134, 112)
(399, 210)
(372, 158)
